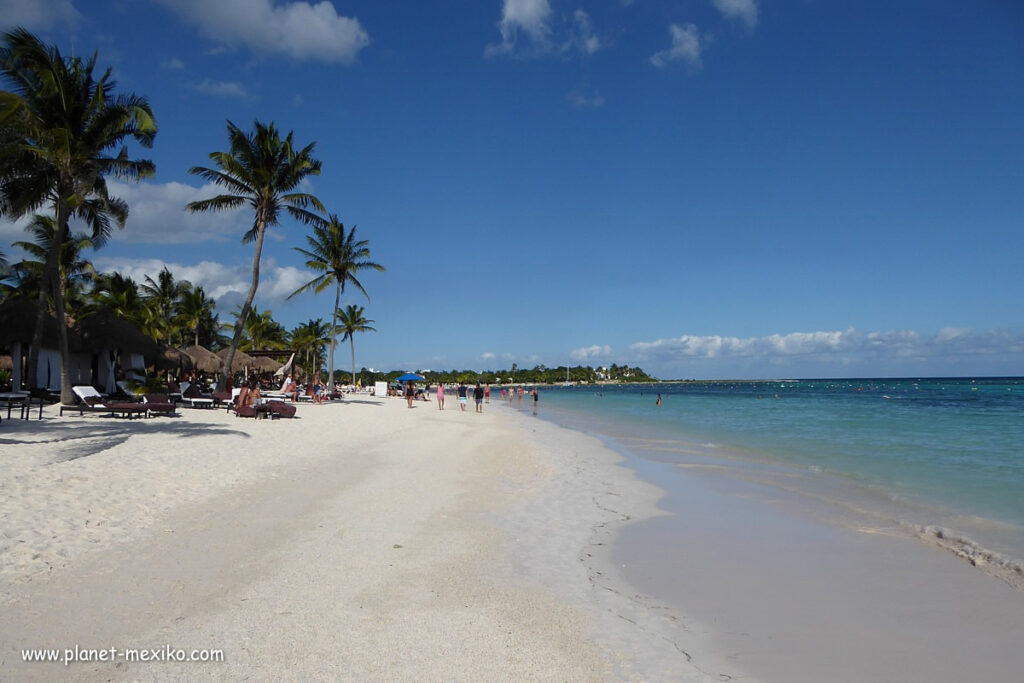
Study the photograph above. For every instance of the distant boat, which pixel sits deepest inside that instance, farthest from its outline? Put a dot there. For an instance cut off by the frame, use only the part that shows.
(567, 383)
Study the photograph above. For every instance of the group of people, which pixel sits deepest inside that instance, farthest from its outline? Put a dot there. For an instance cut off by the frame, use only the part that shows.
(481, 394)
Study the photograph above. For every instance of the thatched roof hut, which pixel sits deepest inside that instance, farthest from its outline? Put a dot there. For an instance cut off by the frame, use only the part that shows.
(205, 360)
(105, 330)
(241, 360)
(18, 320)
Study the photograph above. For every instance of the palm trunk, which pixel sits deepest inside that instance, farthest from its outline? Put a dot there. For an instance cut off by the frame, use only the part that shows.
(352, 343)
(222, 381)
(334, 330)
(67, 397)
(45, 288)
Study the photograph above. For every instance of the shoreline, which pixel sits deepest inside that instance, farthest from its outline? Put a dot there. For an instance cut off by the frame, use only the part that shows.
(796, 589)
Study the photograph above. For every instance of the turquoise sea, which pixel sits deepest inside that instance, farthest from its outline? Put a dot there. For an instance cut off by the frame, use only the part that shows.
(944, 452)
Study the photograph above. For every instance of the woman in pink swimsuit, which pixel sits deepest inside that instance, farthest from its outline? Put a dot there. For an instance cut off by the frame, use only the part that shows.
(440, 396)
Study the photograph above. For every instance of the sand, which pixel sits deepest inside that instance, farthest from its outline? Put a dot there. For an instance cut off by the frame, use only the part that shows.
(361, 541)
(367, 541)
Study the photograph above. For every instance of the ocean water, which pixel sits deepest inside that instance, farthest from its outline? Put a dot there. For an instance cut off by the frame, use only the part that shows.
(947, 453)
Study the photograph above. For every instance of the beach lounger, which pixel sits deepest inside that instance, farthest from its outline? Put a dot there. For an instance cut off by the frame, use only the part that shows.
(281, 409)
(197, 400)
(91, 401)
(158, 403)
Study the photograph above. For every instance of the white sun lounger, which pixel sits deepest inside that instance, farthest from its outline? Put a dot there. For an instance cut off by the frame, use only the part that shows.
(197, 402)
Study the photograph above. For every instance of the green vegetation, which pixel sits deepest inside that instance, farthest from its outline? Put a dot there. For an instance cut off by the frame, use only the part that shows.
(62, 132)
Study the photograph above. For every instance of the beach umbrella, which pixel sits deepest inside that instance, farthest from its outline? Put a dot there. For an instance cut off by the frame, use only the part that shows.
(286, 368)
(104, 331)
(265, 363)
(17, 322)
(175, 359)
(240, 361)
(205, 360)
(410, 377)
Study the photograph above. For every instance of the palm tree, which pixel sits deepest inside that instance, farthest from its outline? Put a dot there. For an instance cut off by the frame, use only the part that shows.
(59, 127)
(263, 332)
(261, 170)
(311, 337)
(194, 309)
(352, 321)
(120, 295)
(338, 257)
(73, 271)
(164, 294)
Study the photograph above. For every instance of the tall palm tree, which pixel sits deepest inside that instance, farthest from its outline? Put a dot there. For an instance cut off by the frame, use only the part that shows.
(164, 294)
(337, 257)
(352, 321)
(61, 128)
(260, 169)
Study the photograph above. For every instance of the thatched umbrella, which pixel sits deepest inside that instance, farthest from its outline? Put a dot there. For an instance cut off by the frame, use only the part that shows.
(18, 320)
(104, 331)
(175, 359)
(6, 363)
(205, 360)
(241, 360)
(265, 363)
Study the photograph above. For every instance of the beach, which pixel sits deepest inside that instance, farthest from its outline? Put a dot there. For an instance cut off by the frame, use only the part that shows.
(364, 540)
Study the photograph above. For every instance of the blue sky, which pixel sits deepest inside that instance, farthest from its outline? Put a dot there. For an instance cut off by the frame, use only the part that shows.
(706, 188)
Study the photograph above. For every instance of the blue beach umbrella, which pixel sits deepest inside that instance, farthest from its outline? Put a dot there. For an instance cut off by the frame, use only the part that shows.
(410, 377)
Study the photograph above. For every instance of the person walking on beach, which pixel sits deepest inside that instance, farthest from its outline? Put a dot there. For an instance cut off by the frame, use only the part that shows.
(487, 393)
(410, 393)
(461, 393)
(440, 396)
(478, 397)
(536, 397)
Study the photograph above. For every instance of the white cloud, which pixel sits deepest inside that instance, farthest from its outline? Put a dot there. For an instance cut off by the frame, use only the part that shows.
(173, 63)
(225, 283)
(488, 356)
(686, 46)
(739, 10)
(580, 98)
(582, 37)
(530, 17)
(301, 30)
(35, 15)
(222, 88)
(841, 347)
(589, 352)
(157, 214)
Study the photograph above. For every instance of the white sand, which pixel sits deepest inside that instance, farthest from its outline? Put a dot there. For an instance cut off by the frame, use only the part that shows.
(361, 541)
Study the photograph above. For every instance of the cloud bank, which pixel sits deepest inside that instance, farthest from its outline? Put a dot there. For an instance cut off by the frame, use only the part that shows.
(227, 284)
(36, 15)
(591, 352)
(301, 30)
(906, 349)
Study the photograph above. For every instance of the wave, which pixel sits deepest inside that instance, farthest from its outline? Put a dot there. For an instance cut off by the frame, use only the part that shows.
(1008, 569)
